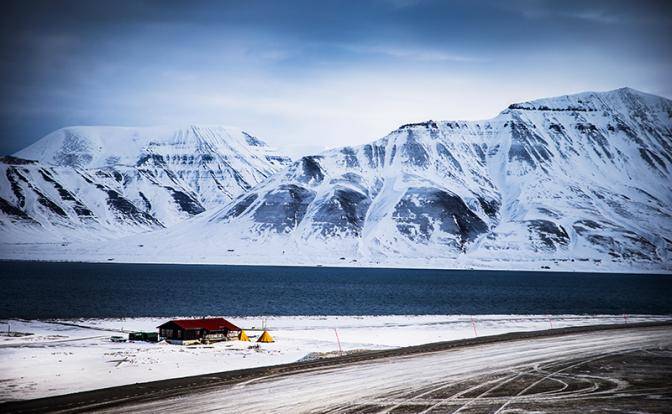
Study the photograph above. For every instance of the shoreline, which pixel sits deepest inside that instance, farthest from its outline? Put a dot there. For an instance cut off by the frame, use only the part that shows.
(354, 265)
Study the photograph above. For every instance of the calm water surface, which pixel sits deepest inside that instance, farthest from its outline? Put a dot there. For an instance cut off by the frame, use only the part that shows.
(65, 290)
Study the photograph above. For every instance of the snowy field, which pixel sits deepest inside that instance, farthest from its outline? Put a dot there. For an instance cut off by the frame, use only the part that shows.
(65, 356)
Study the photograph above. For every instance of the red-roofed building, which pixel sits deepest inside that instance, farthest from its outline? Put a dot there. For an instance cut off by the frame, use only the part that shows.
(198, 330)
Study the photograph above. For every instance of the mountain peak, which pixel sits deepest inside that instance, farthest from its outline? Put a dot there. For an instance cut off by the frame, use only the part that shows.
(574, 180)
(534, 186)
(100, 146)
(113, 181)
(624, 99)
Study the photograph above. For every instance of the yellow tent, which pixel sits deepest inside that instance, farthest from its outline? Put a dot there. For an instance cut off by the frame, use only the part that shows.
(242, 336)
(265, 337)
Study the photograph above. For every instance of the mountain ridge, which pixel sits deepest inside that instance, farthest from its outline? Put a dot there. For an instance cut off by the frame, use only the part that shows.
(584, 183)
(110, 181)
(576, 181)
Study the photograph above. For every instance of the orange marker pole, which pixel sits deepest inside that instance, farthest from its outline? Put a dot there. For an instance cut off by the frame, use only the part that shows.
(340, 351)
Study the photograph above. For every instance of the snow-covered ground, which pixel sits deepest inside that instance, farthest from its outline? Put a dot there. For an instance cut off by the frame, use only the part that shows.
(588, 372)
(66, 356)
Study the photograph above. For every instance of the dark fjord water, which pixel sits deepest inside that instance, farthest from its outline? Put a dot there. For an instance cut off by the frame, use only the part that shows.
(66, 290)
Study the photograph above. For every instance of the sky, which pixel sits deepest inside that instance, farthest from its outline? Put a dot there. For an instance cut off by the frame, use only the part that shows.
(309, 75)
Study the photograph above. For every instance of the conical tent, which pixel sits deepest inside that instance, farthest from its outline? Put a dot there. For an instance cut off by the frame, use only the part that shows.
(242, 336)
(265, 337)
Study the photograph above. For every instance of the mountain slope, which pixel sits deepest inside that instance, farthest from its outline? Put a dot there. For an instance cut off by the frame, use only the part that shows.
(104, 182)
(579, 179)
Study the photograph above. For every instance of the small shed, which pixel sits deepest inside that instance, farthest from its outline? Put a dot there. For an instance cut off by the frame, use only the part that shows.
(143, 336)
(198, 330)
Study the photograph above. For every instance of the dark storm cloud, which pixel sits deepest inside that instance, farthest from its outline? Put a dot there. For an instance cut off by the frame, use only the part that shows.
(295, 70)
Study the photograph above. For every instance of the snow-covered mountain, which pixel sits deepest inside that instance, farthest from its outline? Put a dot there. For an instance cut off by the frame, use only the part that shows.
(575, 181)
(104, 182)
